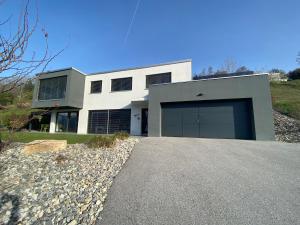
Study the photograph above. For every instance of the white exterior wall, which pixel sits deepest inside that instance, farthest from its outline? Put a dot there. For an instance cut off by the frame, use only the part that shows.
(52, 122)
(117, 100)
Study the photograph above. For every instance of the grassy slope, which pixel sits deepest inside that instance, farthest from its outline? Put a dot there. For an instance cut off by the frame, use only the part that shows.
(31, 136)
(14, 109)
(286, 97)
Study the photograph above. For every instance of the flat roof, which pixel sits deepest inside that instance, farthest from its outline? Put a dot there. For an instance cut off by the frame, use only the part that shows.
(214, 78)
(142, 67)
(117, 70)
(59, 70)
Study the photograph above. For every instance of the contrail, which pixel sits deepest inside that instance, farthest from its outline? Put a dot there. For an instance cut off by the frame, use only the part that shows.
(132, 20)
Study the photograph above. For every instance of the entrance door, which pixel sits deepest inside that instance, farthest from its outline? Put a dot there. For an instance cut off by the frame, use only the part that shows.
(144, 121)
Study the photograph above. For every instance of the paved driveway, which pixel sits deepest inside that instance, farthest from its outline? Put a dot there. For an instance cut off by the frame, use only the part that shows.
(202, 181)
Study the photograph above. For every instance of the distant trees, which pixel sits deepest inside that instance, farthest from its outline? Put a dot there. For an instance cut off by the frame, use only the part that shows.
(229, 66)
(242, 69)
(210, 71)
(294, 75)
(275, 70)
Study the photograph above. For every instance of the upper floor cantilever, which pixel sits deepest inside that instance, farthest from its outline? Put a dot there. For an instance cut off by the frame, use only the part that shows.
(60, 88)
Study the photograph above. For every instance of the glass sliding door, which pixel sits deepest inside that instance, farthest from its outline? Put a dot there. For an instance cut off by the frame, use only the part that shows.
(73, 121)
(66, 122)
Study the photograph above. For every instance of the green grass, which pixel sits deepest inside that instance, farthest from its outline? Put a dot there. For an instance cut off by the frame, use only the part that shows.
(31, 136)
(286, 97)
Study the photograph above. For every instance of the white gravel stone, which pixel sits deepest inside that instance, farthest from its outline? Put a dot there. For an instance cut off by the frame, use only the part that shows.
(287, 129)
(39, 189)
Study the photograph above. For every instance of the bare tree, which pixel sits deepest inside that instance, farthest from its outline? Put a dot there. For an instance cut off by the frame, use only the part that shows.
(298, 58)
(210, 70)
(229, 66)
(242, 69)
(17, 63)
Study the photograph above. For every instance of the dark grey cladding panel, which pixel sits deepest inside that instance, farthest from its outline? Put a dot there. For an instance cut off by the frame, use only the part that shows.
(254, 87)
(74, 93)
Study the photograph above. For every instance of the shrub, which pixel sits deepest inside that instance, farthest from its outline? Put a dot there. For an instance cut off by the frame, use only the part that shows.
(294, 75)
(102, 141)
(122, 135)
(15, 121)
(6, 98)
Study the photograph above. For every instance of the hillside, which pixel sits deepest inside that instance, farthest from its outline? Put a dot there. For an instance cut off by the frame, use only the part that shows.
(286, 97)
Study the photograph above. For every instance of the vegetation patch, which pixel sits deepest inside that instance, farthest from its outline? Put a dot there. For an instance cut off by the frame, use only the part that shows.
(286, 97)
(121, 135)
(26, 137)
(102, 141)
(107, 141)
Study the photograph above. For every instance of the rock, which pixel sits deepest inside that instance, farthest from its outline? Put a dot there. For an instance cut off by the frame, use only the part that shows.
(40, 214)
(98, 202)
(69, 193)
(55, 201)
(73, 222)
(38, 146)
(84, 207)
(287, 129)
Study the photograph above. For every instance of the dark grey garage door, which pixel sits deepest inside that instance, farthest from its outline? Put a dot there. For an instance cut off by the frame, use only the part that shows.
(208, 119)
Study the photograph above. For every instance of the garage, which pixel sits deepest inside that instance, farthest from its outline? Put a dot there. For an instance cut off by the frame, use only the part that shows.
(232, 119)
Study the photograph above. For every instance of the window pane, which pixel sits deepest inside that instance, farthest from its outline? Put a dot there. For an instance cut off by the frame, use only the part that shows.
(96, 86)
(97, 122)
(109, 121)
(121, 84)
(52, 88)
(160, 78)
(119, 120)
(62, 122)
(73, 122)
(66, 122)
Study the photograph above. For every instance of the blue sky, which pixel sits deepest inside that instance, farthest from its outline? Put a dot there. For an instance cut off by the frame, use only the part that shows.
(260, 34)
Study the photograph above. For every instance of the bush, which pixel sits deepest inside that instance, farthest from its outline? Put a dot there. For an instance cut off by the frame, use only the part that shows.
(102, 141)
(294, 75)
(6, 99)
(122, 135)
(15, 121)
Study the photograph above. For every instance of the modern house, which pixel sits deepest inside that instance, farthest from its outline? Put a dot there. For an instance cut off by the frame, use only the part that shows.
(156, 100)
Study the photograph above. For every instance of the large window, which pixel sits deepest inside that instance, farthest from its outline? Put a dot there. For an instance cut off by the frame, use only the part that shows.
(97, 122)
(52, 88)
(160, 78)
(66, 122)
(96, 86)
(109, 121)
(121, 84)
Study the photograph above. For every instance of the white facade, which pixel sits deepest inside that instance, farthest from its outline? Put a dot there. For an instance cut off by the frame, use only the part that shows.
(135, 99)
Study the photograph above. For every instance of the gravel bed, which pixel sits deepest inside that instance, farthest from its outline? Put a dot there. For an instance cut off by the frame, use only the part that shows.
(66, 187)
(287, 129)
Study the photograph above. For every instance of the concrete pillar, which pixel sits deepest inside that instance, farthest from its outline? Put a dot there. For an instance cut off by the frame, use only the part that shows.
(52, 122)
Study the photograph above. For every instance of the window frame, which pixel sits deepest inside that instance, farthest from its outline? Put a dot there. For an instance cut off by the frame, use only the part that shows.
(109, 120)
(91, 89)
(51, 78)
(68, 121)
(122, 85)
(157, 74)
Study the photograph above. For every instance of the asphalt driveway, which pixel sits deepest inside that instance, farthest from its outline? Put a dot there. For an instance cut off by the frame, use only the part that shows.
(206, 181)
